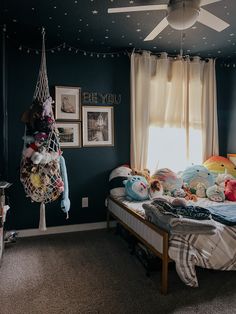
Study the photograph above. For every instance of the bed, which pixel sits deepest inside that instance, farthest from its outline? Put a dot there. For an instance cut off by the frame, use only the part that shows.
(216, 251)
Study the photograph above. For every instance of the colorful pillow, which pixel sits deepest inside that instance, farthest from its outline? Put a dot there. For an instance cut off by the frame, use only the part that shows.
(136, 188)
(116, 178)
(219, 164)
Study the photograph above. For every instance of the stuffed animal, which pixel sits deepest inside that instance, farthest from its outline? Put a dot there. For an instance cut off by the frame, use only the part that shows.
(170, 181)
(218, 164)
(215, 194)
(29, 151)
(43, 157)
(201, 190)
(196, 174)
(230, 190)
(155, 188)
(136, 188)
(222, 177)
(47, 107)
(189, 196)
(116, 178)
(143, 173)
(65, 201)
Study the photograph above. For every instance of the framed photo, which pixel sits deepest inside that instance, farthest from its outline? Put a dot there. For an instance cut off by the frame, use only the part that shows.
(69, 134)
(67, 103)
(98, 128)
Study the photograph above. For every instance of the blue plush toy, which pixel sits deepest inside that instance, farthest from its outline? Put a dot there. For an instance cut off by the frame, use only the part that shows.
(136, 188)
(195, 175)
(65, 201)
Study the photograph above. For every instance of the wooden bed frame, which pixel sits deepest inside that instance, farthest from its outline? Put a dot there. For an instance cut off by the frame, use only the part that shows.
(163, 237)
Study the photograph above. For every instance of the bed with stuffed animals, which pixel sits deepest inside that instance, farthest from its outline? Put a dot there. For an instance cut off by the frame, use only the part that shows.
(195, 228)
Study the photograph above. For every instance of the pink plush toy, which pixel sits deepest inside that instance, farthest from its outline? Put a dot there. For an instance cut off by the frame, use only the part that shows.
(230, 190)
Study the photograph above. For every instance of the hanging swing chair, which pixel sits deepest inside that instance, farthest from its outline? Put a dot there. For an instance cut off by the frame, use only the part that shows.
(42, 172)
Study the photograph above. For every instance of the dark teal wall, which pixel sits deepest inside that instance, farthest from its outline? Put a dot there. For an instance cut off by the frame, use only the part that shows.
(88, 168)
(226, 94)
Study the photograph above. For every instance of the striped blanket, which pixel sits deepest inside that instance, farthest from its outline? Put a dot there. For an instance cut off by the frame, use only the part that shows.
(216, 251)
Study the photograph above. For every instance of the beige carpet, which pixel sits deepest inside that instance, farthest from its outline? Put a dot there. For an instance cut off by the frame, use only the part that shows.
(93, 272)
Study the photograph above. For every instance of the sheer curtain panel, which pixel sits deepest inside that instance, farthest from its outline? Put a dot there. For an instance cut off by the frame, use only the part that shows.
(173, 111)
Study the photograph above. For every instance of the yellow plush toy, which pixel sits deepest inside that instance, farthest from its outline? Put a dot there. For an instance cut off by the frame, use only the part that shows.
(143, 173)
(218, 164)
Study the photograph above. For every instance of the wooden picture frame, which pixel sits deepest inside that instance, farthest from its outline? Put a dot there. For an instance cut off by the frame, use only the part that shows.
(67, 103)
(69, 134)
(98, 126)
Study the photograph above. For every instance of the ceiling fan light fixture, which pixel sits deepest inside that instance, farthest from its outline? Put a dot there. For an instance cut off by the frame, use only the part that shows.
(182, 16)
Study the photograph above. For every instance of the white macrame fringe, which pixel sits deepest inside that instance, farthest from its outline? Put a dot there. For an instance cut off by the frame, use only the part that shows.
(42, 220)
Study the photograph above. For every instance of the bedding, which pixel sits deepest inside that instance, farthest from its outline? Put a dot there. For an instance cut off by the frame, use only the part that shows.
(216, 250)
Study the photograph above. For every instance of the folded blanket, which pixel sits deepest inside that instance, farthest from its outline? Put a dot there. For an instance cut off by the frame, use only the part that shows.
(191, 212)
(224, 214)
(175, 224)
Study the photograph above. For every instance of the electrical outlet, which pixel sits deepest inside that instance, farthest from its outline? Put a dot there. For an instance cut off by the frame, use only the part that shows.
(84, 201)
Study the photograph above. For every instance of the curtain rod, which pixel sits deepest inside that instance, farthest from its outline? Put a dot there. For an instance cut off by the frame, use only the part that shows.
(158, 54)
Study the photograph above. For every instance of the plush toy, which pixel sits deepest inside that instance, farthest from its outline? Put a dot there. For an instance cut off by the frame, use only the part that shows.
(215, 194)
(43, 157)
(47, 107)
(218, 164)
(196, 174)
(36, 180)
(65, 201)
(201, 190)
(189, 196)
(40, 137)
(230, 190)
(116, 178)
(33, 147)
(136, 188)
(222, 177)
(143, 173)
(170, 181)
(179, 202)
(155, 188)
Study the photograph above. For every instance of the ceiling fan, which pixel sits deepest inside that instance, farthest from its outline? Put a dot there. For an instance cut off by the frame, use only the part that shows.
(180, 15)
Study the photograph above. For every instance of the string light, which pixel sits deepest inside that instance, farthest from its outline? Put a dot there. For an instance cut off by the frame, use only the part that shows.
(76, 50)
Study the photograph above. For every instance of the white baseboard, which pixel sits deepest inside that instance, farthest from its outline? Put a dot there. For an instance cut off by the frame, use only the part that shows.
(64, 229)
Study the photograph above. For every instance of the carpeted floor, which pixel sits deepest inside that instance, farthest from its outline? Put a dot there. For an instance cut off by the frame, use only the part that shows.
(93, 272)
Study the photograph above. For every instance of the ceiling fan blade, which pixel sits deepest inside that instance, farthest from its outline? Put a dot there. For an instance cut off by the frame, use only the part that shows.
(138, 8)
(211, 21)
(157, 29)
(205, 2)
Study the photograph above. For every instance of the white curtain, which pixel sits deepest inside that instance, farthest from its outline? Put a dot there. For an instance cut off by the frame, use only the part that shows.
(173, 111)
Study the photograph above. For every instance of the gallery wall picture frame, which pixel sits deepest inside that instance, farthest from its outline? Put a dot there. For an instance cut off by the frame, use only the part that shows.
(67, 103)
(69, 134)
(98, 126)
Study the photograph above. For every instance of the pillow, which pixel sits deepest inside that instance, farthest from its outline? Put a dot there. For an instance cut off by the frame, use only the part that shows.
(136, 188)
(219, 164)
(116, 178)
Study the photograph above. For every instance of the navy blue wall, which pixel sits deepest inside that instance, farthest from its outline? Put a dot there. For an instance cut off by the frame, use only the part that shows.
(226, 93)
(88, 168)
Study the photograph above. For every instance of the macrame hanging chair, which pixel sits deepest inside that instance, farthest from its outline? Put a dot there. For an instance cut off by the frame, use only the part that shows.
(40, 164)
